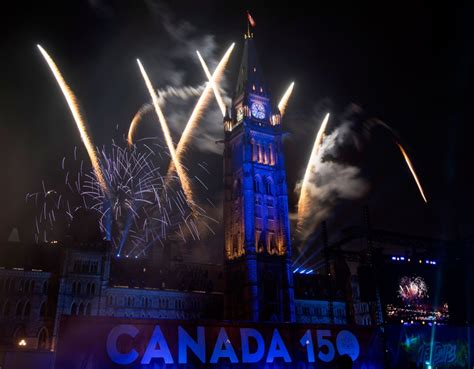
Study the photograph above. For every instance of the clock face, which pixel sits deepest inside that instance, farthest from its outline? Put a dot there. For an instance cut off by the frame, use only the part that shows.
(258, 110)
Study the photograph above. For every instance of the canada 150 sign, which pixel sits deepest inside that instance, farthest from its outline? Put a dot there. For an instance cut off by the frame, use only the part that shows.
(114, 343)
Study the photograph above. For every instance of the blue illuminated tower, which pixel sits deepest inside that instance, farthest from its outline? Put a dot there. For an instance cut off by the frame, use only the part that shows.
(257, 233)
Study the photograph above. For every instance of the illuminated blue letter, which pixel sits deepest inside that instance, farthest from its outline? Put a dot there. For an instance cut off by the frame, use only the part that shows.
(277, 348)
(247, 356)
(185, 341)
(115, 355)
(226, 351)
(152, 352)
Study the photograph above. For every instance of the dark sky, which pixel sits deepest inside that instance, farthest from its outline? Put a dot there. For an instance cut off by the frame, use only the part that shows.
(409, 65)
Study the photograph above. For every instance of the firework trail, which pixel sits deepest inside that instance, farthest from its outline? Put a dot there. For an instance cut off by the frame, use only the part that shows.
(164, 126)
(136, 119)
(170, 91)
(404, 153)
(311, 168)
(200, 105)
(181, 92)
(412, 170)
(73, 106)
(284, 100)
(213, 85)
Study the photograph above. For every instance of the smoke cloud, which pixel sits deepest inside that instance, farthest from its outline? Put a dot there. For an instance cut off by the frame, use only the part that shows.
(333, 178)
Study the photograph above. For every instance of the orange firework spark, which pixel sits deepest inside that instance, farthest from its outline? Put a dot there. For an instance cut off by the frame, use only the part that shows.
(412, 170)
(164, 126)
(310, 169)
(74, 107)
(215, 88)
(198, 109)
(284, 100)
(136, 119)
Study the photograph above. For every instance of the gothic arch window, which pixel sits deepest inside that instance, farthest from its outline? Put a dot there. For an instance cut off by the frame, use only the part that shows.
(7, 309)
(43, 339)
(32, 286)
(81, 309)
(27, 310)
(272, 154)
(73, 309)
(269, 186)
(259, 151)
(45, 287)
(257, 183)
(254, 150)
(43, 310)
(93, 289)
(78, 288)
(19, 309)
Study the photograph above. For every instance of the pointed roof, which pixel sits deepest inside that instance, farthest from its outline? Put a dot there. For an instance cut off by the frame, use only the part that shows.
(250, 73)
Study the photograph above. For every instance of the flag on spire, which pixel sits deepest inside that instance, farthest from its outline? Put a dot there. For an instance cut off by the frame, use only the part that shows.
(251, 20)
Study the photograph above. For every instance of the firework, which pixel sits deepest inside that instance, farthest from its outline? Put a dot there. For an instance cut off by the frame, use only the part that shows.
(74, 107)
(215, 88)
(412, 170)
(310, 169)
(200, 105)
(181, 92)
(284, 100)
(137, 214)
(412, 289)
(136, 119)
(169, 142)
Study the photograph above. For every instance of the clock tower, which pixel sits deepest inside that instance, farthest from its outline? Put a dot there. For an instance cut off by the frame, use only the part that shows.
(259, 281)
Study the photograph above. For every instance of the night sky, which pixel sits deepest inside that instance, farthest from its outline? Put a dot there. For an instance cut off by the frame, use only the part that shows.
(408, 65)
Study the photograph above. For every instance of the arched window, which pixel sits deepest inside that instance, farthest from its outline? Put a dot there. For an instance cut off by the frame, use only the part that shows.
(43, 310)
(81, 309)
(257, 184)
(93, 289)
(19, 309)
(74, 309)
(88, 309)
(269, 186)
(88, 289)
(27, 310)
(43, 339)
(272, 154)
(78, 288)
(32, 286)
(45, 287)
(7, 309)
(26, 286)
(21, 286)
(74, 288)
